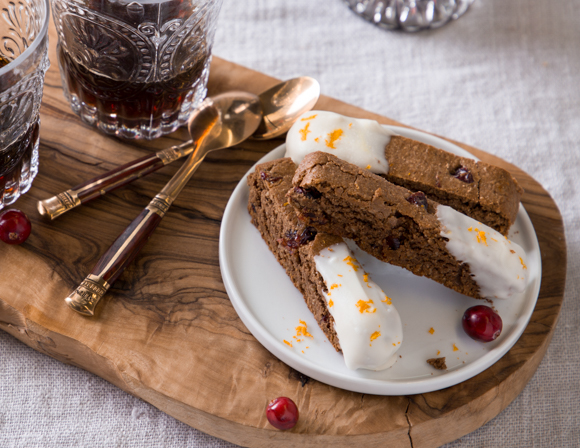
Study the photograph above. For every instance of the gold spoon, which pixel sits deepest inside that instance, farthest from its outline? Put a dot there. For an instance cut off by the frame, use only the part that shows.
(281, 106)
(220, 122)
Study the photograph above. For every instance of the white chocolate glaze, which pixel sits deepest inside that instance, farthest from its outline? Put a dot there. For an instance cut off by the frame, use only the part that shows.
(497, 264)
(358, 141)
(368, 325)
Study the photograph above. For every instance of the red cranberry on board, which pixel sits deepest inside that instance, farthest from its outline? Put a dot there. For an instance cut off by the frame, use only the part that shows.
(14, 226)
(282, 413)
(482, 323)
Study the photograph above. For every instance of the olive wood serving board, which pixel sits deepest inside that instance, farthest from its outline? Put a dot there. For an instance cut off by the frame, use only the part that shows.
(167, 332)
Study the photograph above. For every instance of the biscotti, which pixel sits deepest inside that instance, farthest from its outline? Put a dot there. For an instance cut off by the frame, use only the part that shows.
(353, 312)
(290, 240)
(406, 228)
(487, 193)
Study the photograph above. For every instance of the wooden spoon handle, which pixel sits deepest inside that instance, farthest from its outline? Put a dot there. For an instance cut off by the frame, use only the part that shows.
(109, 181)
(111, 265)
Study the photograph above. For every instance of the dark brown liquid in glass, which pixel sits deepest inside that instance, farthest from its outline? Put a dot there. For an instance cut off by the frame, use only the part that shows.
(129, 104)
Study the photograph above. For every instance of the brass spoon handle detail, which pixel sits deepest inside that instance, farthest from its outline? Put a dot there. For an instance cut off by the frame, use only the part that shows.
(98, 186)
(123, 251)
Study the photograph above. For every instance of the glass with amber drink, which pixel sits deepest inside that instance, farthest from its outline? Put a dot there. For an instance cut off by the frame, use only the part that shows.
(135, 69)
(23, 63)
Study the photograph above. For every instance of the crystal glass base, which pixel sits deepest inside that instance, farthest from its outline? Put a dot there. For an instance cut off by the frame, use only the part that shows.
(409, 15)
(140, 128)
(17, 179)
(113, 124)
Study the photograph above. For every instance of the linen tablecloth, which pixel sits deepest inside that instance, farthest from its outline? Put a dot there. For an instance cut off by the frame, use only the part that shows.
(504, 78)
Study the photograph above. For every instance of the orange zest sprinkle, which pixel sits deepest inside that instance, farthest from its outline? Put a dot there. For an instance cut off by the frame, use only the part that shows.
(351, 261)
(340, 275)
(287, 343)
(330, 303)
(438, 352)
(512, 251)
(309, 118)
(304, 132)
(333, 137)
(317, 139)
(523, 264)
(493, 239)
(285, 204)
(365, 306)
(470, 229)
(455, 348)
(350, 125)
(302, 330)
(387, 300)
(365, 277)
(394, 345)
(368, 167)
(334, 285)
(431, 330)
(375, 335)
(481, 237)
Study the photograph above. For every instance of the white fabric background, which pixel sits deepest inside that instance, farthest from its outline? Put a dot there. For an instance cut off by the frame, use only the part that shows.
(504, 78)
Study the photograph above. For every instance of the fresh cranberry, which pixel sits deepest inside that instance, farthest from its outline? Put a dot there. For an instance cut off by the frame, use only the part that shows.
(482, 323)
(419, 199)
(464, 175)
(282, 413)
(14, 226)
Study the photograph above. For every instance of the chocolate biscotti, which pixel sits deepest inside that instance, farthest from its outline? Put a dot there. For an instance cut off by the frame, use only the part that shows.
(406, 228)
(353, 312)
(487, 193)
(290, 240)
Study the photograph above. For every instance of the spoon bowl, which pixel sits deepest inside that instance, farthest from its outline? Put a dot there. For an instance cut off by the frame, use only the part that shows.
(284, 103)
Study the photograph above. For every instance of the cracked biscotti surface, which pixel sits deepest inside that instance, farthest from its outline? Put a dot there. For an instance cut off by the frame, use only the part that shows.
(292, 242)
(385, 220)
(485, 192)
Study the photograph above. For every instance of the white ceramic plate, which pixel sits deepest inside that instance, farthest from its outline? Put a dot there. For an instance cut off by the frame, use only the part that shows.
(271, 307)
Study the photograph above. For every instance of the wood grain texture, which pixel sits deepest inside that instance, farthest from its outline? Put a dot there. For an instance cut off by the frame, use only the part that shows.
(167, 332)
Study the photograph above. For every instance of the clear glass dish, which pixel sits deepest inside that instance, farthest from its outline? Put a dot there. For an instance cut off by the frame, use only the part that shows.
(409, 15)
